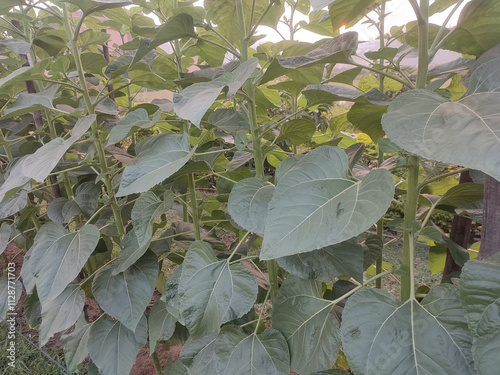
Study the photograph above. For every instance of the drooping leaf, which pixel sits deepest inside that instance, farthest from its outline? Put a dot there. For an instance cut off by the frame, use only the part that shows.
(475, 30)
(28, 102)
(305, 319)
(113, 347)
(125, 295)
(5, 231)
(480, 295)
(237, 353)
(13, 205)
(62, 312)
(372, 250)
(8, 306)
(58, 256)
(157, 158)
(161, 324)
(248, 202)
(297, 131)
(212, 292)
(192, 102)
(37, 166)
(382, 335)
(343, 259)
(318, 206)
(131, 121)
(177, 27)
(75, 346)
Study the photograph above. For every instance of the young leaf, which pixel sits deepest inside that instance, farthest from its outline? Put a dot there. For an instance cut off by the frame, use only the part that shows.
(75, 346)
(480, 295)
(305, 319)
(130, 122)
(157, 158)
(381, 335)
(297, 131)
(161, 324)
(310, 211)
(125, 295)
(343, 259)
(62, 312)
(237, 353)
(428, 125)
(248, 203)
(212, 292)
(113, 347)
(58, 256)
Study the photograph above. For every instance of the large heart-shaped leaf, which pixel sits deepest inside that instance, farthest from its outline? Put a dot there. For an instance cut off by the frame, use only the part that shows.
(213, 292)
(265, 354)
(75, 346)
(345, 259)
(480, 294)
(192, 102)
(38, 165)
(62, 312)
(161, 324)
(125, 295)
(157, 158)
(58, 256)
(196, 358)
(305, 319)
(128, 124)
(113, 347)
(383, 336)
(429, 125)
(248, 203)
(314, 206)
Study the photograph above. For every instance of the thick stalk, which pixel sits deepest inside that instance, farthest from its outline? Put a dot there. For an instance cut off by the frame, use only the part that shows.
(490, 236)
(194, 207)
(382, 40)
(91, 110)
(156, 362)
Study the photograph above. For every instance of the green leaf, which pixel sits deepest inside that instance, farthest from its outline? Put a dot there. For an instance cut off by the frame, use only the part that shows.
(93, 62)
(326, 94)
(90, 6)
(87, 198)
(61, 210)
(305, 319)
(213, 292)
(229, 119)
(439, 6)
(27, 102)
(297, 131)
(58, 256)
(265, 354)
(462, 194)
(146, 208)
(125, 295)
(480, 295)
(315, 205)
(177, 27)
(372, 250)
(385, 53)
(14, 204)
(75, 346)
(62, 312)
(343, 259)
(381, 335)
(5, 231)
(132, 121)
(161, 324)
(428, 125)
(7, 5)
(157, 158)
(248, 203)
(348, 12)
(38, 166)
(7, 286)
(367, 117)
(197, 357)
(192, 102)
(475, 30)
(113, 347)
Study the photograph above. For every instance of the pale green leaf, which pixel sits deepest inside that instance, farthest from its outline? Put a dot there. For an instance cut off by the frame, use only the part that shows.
(62, 312)
(125, 295)
(8, 306)
(161, 324)
(381, 335)
(113, 347)
(13, 205)
(157, 158)
(248, 203)
(265, 354)
(5, 231)
(297, 131)
(75, 346)
(305, 319)
(212, 292)
(131, 122)
(58, 256)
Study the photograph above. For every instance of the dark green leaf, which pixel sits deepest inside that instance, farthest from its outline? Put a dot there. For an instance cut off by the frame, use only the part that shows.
(161, 324)
(229, 119)
(367, 117)
(75, 346)
(5, 231)
(5, 302)
(297, 131)
(131, 122)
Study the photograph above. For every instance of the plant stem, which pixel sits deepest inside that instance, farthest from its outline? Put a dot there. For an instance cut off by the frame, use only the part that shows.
(441, 176)
(194, 207)
(91, 110)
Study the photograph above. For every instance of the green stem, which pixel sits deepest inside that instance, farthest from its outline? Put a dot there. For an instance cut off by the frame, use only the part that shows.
(157, 363)
(238, 246)
(382, 40)
(384, 74)
(91, 110)
(438, 41)
(380, 231)
(261, 311)
(194, 207)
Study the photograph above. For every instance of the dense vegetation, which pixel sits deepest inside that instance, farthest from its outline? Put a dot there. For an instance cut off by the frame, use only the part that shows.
(245, 202)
